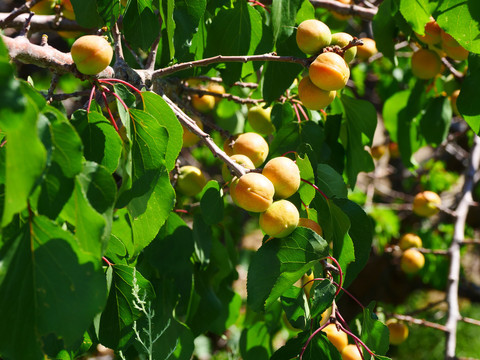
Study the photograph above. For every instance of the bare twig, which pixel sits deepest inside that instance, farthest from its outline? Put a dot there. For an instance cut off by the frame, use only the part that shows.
(412, 320)
(231, 97)
(152, 56)
(457, 74)
(220, 80)
(41, 23)
(25, 8)
(453, 315)
(345, 9)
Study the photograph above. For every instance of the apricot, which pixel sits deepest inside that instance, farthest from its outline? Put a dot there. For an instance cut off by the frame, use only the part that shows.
(311, 225)
(453, 101)
(339, 16)
(367, 50)
(378, 151)
(284, 175)
(326, 315)
(351, 352)
(433, 33)
(426, 64)
(448, 40)
(232, 187)
(91, 54)
(203, 103)
(398, 331)
(216, 88)
(412, 261)
(190, 180)
(312, 97)
(189, 138)
(228, 146)
(338, 338)
(44, 7)
(342, 39)
(253, 192)
(307, 286)
(280, 219)
(329, 71)
(239, 159)
(410, 240)
(67, 9)
(252, 145)
(259, 119)
(456, 52)
(312, 36)
(426, 203)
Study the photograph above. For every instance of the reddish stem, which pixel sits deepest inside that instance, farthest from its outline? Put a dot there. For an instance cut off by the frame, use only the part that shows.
(296, 112)
(303, 112)
(311, 337)
(255, 2)
(350, 294)
(3, 143)
(357, 340)
(90, 98)
(117, 96)
(112, 119)
(181, 211)
(109, 82)
(290, 152)
(315, 187)
(340, 274)
(107, 261)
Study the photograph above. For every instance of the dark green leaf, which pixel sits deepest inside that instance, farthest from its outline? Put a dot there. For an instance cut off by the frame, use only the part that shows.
(140, 24)
(374, 332)
(202, 237)
(467, 102)
(384, 29)
(167, 8)
(211, 203)
(285, 140)
(282, 114)
(55, 191)
(322, 297)
(435, 123)
(67, 148)
(284, 13)
(86, 13)
(330, 182)
(295, 305)
(255, 342)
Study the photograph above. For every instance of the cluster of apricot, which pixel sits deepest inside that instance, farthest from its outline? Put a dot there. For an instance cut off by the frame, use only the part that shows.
(329, 72)
(426, 63)
(339, 339)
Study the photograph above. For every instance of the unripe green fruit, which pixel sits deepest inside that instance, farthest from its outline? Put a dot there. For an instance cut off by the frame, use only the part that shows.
(253, 192)
(410, 240)
(190, 180)
(342, 39)
(259, 119)
(252, 145)
(204, 103)
(426, 203)
(338, 338)
(312, 97)
(312, 36)
(284, 175)
(398, 331)
(329, 71)
(239, 159)
(426, 64)
(280, 219)
(91, 54)
(351, 352)
(412, 261)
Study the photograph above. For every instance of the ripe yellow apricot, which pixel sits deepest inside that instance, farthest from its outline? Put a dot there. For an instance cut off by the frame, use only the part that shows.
(67, 9)
(453, 101)
(312, 97)
(252, 145)
(307, 286)
(216, 88)
(456, 52)
(433, 33)
(228, 145)
(308, 223)
(253, 192)
(448, 40)
(203, 103)
(190, 180)
(342, 39)
(329, 71)
(259, 119)
(91, 54)
(284, 175)
(339, 16)
(398, 331)
(412, 261)
(189, 138)
(368, 49)
(351, 352)
(410, 240)
(313, 35)
(239, 159)
(338, 338)
(280, 219)
(426, 64)
(44, 7)
(426, 203)
(326, 315)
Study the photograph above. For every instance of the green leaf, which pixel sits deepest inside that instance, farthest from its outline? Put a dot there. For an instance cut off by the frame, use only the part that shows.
(306, 191)
(435, 122)
(284, 13)
(86, 13)
(330, 182)
(307, 11)
(140, 24)
(467, 103)
(67, 148)
(361, 123)
(279, 263)
(255, 342)
(374, 333)
(295, 305)
(122, 234)
(101, 142)
(416, 13)
(282, 114)
(202, 237)
(211, 203)
(115, 325)
(196, 8)
(158, 108)
(62, 288)
(319, 348)
(323, 295)
(384, 29)
(11, 98)
(167, 8)
(285, 140)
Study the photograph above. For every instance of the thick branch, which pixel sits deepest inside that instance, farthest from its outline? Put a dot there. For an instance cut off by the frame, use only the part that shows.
(345, 9)
(458, 236)
(42, 23)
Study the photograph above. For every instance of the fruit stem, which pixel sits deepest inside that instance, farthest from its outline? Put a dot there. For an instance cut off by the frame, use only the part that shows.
(311, 337)
(92, 92)
(110, 115)
(315, 187)
(340, 273)
(357, 340)
(117, 96)
(354, 42)
(107, 261)
(299, 120)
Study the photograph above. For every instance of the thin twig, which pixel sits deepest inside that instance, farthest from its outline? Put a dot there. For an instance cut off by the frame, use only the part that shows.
(345, 9)
(227, 96)
(152, 56)
(25, 8)
(412, 320)
(41, 23)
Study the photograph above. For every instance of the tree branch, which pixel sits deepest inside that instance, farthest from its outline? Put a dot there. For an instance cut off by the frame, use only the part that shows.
(453, 315)
(421, 322)
(345, 9)
(41, 23)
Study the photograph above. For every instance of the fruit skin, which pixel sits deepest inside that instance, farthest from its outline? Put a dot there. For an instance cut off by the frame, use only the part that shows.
(91, 54)
(378, 151)
(329, 71)
(189, 138)
(190, 180)
(456, 52)
(311, 225)
(312, 97)
(252, 145)
(453, 101)
(410, 240)
(259, 119)
(254, 192)
(398, 331)
(342, 39)
(339, 16)
(326, 316)
(239, 159)
(226, 146)
(368, 49)
(280, 219)
(426, 203)
(307, 287)
(44, 7)
(433, 33)
(412, 261)
(338, 338)
(216, 88)
(426, 64)
(351, 352)
(313, 35)
(204, 103)
(284, 175)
